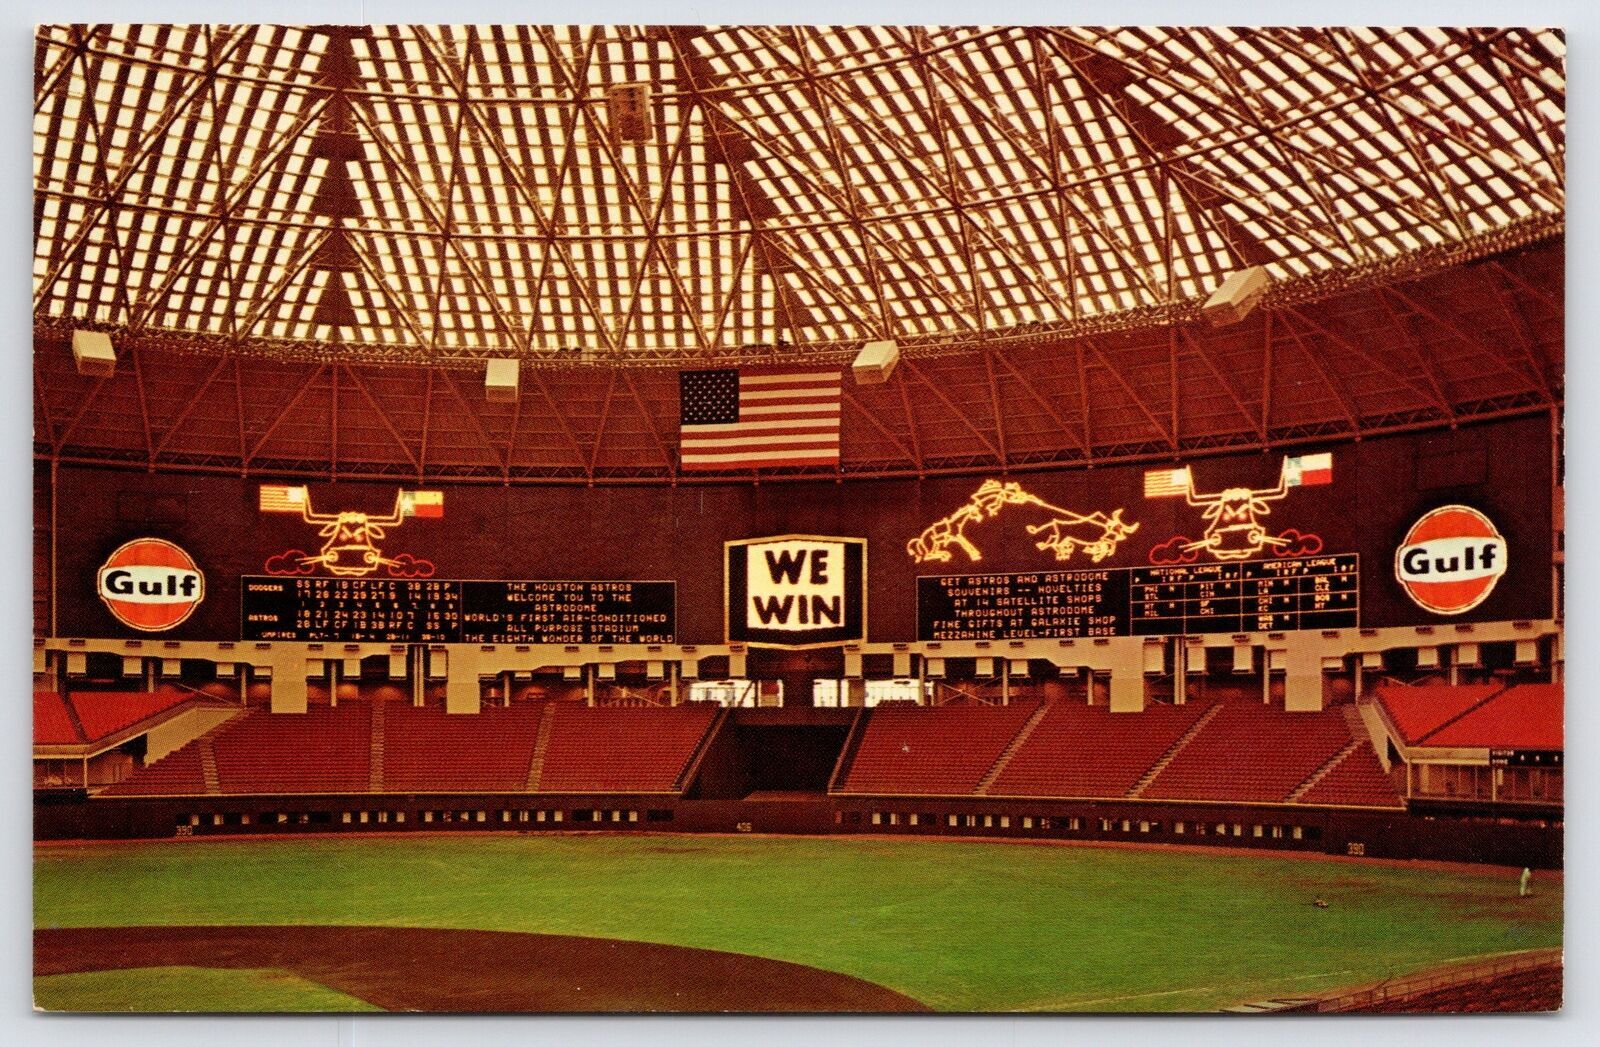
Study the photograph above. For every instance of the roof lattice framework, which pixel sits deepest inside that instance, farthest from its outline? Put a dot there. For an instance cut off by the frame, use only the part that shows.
(429, 194)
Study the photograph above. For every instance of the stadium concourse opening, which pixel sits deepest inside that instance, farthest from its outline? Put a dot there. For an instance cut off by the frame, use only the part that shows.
(1036, 433)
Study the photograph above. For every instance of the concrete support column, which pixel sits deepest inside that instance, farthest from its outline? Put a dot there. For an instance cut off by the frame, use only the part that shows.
(798, 689)
(288, 669)
(462, 690)
(855, 693)
(1126, 662)
(1302, 684)
(48, 665)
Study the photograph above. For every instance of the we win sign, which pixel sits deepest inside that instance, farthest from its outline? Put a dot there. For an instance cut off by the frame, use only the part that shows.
(796, 591)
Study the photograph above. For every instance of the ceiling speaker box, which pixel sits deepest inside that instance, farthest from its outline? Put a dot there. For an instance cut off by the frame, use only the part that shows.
(875, 363)
(92, 352)
(500, 381)
(1238, 294)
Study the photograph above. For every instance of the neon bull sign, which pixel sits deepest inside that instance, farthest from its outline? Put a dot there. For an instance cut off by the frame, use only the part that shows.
(350, 548)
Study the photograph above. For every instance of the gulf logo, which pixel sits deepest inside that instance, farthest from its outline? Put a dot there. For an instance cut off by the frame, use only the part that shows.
(150, 584)
(1451, 559)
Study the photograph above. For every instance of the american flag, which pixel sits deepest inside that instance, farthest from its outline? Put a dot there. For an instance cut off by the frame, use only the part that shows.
(1168, 483)
(732, 420)
(275, 498)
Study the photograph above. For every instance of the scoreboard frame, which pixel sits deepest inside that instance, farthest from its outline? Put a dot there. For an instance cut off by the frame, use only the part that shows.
(244, 581)
(1126, 623)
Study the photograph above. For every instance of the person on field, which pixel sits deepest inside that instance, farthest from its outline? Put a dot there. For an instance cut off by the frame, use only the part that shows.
(1523, 888)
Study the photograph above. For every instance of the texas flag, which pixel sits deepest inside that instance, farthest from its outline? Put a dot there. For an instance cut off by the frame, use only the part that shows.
(1308, 470)
(422, 504)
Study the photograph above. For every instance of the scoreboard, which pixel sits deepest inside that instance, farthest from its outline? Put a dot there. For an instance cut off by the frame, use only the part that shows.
(1313, 592)
(435, 610)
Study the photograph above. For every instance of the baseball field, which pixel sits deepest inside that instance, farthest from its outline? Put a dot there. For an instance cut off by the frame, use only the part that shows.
(697, 923)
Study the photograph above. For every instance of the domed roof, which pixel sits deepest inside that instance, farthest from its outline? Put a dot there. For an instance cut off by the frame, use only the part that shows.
(659, 194)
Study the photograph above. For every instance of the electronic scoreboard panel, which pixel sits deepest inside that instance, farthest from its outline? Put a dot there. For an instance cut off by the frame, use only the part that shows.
(436, 610)
(1313, 592)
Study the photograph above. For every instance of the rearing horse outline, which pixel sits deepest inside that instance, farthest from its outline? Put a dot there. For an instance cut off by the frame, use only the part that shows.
(934, 543)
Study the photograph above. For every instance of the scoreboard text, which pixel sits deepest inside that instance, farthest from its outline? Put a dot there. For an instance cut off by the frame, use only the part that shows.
(1314, 592)
(436, 610)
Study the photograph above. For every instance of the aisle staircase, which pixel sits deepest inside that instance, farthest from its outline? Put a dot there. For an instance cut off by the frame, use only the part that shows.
(541, 746)
(1011, 750)
(375, 763)
(1177, 747)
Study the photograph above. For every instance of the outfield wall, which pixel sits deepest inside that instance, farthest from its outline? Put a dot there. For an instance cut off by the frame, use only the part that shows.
(1345, 832)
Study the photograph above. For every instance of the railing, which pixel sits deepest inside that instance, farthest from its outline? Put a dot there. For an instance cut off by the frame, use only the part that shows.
(1416, 984)
(946, 693)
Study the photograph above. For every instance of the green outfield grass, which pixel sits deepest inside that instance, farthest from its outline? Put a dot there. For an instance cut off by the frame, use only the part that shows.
(164, 989)
(959, 926)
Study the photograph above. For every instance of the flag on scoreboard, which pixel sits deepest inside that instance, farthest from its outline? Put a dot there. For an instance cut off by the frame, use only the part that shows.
(279, 499)
(1308, 470)
(730, 419)
(422, 504)
(1167, 483)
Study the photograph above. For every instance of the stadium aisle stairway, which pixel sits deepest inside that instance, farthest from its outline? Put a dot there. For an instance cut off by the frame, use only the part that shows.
(945, 751)
(1251, 752)
(1083, 750)
(1357, 780)
(622, 749)
(331, 750)
(429, 750)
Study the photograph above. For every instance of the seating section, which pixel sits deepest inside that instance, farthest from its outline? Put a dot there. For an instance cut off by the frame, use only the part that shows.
(100, 714)
(1242, 752)
(1527, 716)
(1419, 710)
(1249, 752)
(180, 773)
(1356, 781)
(428, 750)
(52, 723)
(324, 750)
(1538, 989)
(941, 752)
(104, 713)
(622, 749)
(1087, 751)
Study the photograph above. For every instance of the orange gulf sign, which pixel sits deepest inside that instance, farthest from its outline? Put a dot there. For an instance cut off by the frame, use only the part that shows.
(1451, 559)
(150, 584)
